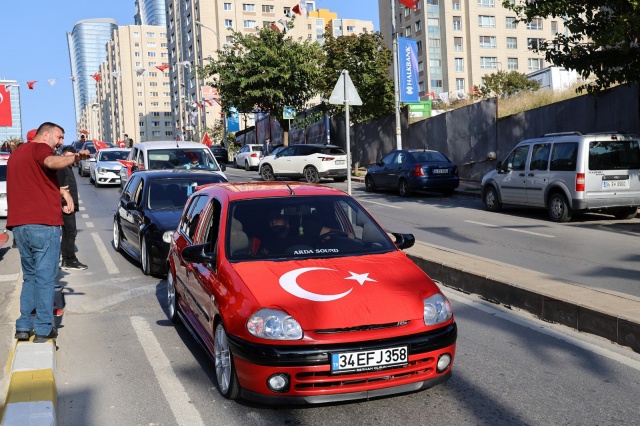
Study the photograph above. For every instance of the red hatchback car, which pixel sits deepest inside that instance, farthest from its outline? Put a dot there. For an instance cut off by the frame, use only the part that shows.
(299, 296)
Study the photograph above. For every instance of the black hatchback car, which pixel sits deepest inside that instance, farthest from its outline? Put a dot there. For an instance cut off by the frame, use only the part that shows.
(148, 213)
(220, 152)
(411, 170)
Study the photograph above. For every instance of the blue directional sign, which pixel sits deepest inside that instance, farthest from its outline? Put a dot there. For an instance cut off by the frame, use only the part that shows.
(288, 113)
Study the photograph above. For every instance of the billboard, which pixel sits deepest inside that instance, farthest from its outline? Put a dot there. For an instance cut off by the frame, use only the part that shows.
(408, 70)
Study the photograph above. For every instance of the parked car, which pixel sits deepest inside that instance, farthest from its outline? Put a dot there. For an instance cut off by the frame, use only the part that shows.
(248, 157)
(408, 170)
(3, 188)
(569, 172)
(104, 169)
(148, 212)
(337, 313)
(220, 153)
(169, 155)
(309, 161)
(83, 165)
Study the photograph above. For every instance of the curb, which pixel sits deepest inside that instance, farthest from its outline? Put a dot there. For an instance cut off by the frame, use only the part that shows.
(31, 397)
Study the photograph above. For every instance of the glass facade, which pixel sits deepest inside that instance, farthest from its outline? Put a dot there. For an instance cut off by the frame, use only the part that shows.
(151, 12)
(87, 50)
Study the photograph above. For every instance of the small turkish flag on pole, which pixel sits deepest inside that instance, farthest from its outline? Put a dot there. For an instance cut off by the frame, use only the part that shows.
(99, 144)
(206, 139)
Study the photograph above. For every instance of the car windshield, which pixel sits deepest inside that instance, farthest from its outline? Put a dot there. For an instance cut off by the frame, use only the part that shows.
(179, 158)
(427, 156)
(302, 227)
(112, 155)
(172, 193)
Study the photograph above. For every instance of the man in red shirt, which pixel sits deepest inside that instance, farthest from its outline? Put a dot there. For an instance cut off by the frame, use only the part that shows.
(34, 215)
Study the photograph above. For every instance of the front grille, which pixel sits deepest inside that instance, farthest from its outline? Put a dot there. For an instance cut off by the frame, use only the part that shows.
(363, 328)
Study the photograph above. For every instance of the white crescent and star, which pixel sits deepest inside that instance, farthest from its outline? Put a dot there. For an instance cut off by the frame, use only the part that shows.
(290, 284)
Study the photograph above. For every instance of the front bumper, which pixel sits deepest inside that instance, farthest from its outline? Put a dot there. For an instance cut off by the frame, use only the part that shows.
(311, 380)
(108, 178)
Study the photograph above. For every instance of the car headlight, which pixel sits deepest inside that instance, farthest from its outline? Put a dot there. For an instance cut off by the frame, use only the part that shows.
(166, 237)
(436, 309)
(3, 195)
(274, 324)
(102, 170)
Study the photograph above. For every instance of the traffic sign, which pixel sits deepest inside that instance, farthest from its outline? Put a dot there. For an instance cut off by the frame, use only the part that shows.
(345, 91)
(288, 113)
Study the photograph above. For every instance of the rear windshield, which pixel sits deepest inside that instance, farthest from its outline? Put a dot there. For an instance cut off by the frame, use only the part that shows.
(426, 156)
(614, 155)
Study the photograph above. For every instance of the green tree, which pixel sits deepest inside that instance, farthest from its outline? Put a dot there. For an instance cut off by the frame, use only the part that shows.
(368, 61)
(504, 84)
(602, 39)
(266, 71)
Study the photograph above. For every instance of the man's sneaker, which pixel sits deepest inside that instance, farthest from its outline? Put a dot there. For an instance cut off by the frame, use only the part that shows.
(43, 339)
(23, 335)
(73, 264)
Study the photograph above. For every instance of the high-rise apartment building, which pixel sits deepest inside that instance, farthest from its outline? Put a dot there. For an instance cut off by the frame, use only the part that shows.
(133, 93)
(318, 20)
(461, 41)
(10, 94)
(150, 12)
(87, 51)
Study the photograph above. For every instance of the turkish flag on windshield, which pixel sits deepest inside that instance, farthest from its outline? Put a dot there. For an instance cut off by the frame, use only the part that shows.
(5, 107)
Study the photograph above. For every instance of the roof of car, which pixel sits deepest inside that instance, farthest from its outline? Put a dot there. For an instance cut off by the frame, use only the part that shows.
(115, 149)
(168, 174)
(247, 190)
(167, 145)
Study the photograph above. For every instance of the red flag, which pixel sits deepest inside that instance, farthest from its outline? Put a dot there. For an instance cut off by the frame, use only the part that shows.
(206, 139)
(199, 105)
(208, 102)
(122, 143)
(96, 76)
(5, 107)
(296, 9)
(31, 83)
(274, 27)
(99, 144)
(411, 4)
(162, 67)
(128, 164)
(84, 131)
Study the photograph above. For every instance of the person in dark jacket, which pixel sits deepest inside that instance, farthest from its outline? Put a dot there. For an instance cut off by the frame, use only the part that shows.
(66, 179)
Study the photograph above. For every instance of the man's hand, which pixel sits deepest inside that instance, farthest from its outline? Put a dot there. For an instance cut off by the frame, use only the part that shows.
(66, 195)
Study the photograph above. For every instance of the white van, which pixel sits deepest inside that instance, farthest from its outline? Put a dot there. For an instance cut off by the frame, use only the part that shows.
(569, 172)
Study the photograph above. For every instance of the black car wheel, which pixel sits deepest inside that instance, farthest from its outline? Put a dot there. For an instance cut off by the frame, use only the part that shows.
(116, 235)
(247, 167)
(267, 173)
(340, 179)
(172, 297)
(145, 260)
(311, 174)
(559, 210)
(403, 188)
(491, 200)
(626, 213)
(226, 377)
(369, 185)
(235, 164)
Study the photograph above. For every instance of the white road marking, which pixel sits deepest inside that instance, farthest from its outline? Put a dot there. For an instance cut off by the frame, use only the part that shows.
(9, 277)
(85, 216)
(175, 394)
(104, 254)
(82, 208)
(89, 225)
(488, 225)
(542, 329)
(379, 204)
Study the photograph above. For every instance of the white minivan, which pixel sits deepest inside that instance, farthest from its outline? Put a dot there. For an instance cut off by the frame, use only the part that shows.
(569, 172)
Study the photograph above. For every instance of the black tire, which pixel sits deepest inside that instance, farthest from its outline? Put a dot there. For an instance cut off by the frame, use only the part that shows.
(311, 174)
(79, 171)
(266, 172)
(172, 297)
(403, 188)
(226, 376)
(447, 192)
(145, 259)
(369, 185)
(247, 167)
(490, 199)
(235, 164)
(626, 213)
(116, 235)
(92, 180)
(559, 210)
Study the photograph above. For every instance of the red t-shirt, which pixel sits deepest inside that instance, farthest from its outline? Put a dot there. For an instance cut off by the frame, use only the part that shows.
(33, 194)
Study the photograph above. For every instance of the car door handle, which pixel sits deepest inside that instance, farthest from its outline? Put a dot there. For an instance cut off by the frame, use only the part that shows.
(531, 174)
(521, 174)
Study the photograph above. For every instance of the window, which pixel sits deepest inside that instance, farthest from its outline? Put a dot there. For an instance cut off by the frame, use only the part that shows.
(457, 44)
(512, 43)
(457, 23)
(248, 7)
(535, 24)
(455, 4)
(487, 42)
(141, 123)
(421, 86)
(435, 63)
(155, 133)
(153, 83)
(517, 159)
(540, 156)
(167, 124)
(151, 44)
(407, 11)
(228, 23)
(563, 157)
(459, 83)
(139, 94)
(486, 21)
(433, 22)
(486, 3)
(155, 104)
(434, 42)
(153, 93)
(512, 63)
(168, 133)
(351, 28)
(511, 22)
(420, 66)
(459, 64)
(136, 54)
(436, 84)
(488, 62)
(268, 8)
(535, 63)
(554, 27)
(249, 23)
(227, 6)
(418, 25)
(419, 45)
(136, 34)
(151, 54)
(155, 123)
(535, 43)
(407, 31)
(155, 114)
(150, 34)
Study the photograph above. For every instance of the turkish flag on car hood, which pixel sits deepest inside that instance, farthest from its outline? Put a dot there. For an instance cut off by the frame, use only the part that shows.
(341, 292)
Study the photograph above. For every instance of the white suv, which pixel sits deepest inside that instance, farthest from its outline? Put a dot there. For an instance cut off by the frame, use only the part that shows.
(567, 172)
(169, 155)
(309, 161)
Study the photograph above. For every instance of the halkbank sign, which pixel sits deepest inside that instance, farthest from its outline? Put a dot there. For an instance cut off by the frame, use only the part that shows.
(408, 70)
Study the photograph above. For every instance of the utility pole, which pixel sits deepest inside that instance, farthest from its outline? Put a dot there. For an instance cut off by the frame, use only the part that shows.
(396, 84)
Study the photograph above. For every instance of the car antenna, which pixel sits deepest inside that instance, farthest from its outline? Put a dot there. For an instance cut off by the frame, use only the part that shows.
(290, 190)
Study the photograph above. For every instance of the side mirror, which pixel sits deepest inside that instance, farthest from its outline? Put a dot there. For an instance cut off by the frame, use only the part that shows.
(131, 205)
(223, 167)
(499, 166)
(134, 168)
(404, 241)
(380, 163)
(197, 254)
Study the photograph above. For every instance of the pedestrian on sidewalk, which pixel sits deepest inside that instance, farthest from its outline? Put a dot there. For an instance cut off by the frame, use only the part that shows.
(67, 182)
(35, 217)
